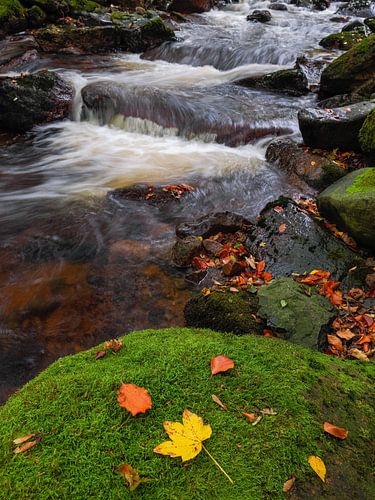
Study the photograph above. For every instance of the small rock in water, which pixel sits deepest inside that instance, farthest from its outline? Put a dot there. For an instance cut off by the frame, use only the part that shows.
(277, 6)
(259, 16)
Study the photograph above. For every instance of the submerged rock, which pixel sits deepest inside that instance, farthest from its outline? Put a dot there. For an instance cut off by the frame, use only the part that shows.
(354, 71)
(304, 245)
(314, 169)
(259, 16)
(296, 313)
(33, 99)
(350, 203)
(334, 128)
(224, 311)
(287, 81)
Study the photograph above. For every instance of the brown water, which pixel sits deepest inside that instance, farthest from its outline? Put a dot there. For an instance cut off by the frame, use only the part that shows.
(77, 266)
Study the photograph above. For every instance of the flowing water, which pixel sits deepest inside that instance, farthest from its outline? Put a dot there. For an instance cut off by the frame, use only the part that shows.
(77, 268)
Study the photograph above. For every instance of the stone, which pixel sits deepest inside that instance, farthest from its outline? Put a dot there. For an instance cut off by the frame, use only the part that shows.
(353, 71)
(334, 128)
(370, 23)
(287, 81)
(358, 8)
(350, 203)
(278, 6)
(313, 169)
(13, 47)
(224, 312)
(367, 135)
(295, 315)
(191, 6)
(33, 99)
(342, 41)
(304, 245)
(354, 25)
(259, 16)
(212, 247)
(185, 249)
(211, 224)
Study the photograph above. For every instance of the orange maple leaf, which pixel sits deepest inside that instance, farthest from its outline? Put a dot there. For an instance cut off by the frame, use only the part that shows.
(134, 399)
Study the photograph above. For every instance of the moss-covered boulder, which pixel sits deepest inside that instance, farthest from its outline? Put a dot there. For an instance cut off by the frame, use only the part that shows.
(354, 71)
(335, 127)
(350, 203)
(86, 436)
(295, 312)
(367, 135)
(342, 41)
(287, 81)
(224, 311)
(33, 99)
(370, 23)
(12, 17)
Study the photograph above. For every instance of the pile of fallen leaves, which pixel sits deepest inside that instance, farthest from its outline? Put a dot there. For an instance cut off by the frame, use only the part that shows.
(239, 268)
(352, 332)
(173, 190)
(346, 160)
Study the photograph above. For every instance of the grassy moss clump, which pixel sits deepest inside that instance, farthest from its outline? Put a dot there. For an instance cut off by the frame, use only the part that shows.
(343, 41)
(84, 5)
(364, 182)
(86, 435)
(367, 134)
(10, 8)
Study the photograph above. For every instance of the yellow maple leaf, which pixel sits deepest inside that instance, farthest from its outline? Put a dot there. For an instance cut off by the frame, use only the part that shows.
(186, 438)
(318, 466)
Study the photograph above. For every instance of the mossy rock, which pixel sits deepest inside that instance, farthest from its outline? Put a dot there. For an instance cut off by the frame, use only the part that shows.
(225, 312)
(370, 23)
(350, 203)
(342, 41)
(297, 313)
(11, 8)
(367, 135)
(353, 71)
(86, 436)
(286, 81)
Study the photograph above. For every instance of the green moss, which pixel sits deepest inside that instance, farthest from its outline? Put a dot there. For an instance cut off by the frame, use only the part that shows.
(343, 41)
(370, 22)
(86, 435)
(9, 8)
(156, 25)
(367, 134)
(226, 312)
(364, 182)
(84, 5)
(331, 173)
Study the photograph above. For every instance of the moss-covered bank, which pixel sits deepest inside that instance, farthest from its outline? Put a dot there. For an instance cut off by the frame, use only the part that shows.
(86, 435)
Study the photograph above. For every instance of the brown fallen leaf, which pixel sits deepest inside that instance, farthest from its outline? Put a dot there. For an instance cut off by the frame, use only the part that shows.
(257, 420)
(357, 354)
(22, 439)
(288, 485)
(113, 345)
(268, 411)
(100, 354)
(218, 402)
(251, 417)
(282, 228)
(221, 364)
(27, 446)
(132, 476)
(345, 334)
(134, 399)
(335, 342)
(335, 431)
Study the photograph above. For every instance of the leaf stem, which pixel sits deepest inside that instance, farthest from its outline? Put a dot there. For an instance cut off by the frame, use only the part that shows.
(217, 464)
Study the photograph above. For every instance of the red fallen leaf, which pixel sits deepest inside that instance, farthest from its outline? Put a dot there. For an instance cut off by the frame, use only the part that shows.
(336, 298)
(269, 333)
(134, 399)
(288, 485)
(335, 342)
(267, 276)
(278, 209)
(199, 263)
(316, 277)
(100, 354)
(251, 417)
(338, 432)
(261, 266)
(149, 195)
(345, 334)
(365, 339)
(282, 228)
(221, 364)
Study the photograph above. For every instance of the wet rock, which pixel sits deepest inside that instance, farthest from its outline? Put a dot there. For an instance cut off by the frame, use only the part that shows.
(33, 99)
(287, 81)
(185, 249)
(132, 251)
(350, 203)
(312, 65)
(224, 312)
(316, 170)
(342, 41)
(370, 23)
(295, 312)
(212, 247)
(355, 25)
(77, 40)
(334, 128)
(12, 17)
(358, 8)
(13, 47)
(259, 16)
(354, 71)
(209, 225)
(338, 101)
(146, 193)
(303, 246)
(191, 6)
(367, 135)
(277, 6)
(321, 4)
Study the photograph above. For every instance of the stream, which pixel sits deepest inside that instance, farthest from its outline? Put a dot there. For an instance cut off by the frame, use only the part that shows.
(77, 267)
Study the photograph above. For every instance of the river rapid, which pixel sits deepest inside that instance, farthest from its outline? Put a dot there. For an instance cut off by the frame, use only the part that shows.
(76, 267)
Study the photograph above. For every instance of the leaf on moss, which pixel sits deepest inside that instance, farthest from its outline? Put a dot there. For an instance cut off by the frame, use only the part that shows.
(132, 476)
(318, 466)
(218, 402)
(134, 399)
(221, 364)
(288, 485)
(335, 431)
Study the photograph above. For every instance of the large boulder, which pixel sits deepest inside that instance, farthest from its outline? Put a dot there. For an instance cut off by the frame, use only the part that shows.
(353, 71)
(350, 203)
(287, 81)
(33, 99)
(290, 241)
(300, 317)
(191, 6)
(334, 128)
(301, 164)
